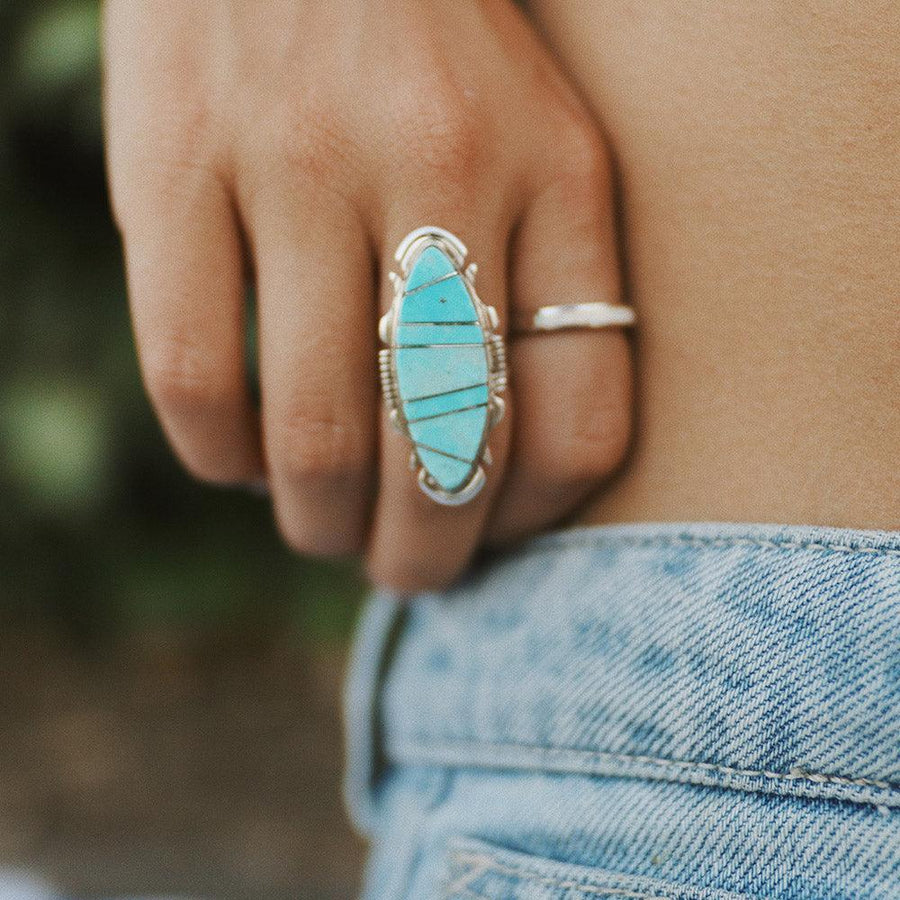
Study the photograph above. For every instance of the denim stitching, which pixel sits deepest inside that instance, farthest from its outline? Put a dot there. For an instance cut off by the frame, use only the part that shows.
(464, 894)
(562, 542)
(795, 775)
(469, 894)
(461, 883)
(487, 863)
(414, 747)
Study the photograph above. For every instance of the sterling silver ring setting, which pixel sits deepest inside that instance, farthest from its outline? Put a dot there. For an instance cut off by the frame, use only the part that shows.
(444, 365)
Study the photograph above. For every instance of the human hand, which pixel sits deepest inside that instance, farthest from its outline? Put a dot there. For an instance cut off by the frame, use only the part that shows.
(294, 143)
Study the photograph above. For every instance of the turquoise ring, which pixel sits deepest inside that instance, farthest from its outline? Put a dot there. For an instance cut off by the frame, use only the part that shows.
(444, 365)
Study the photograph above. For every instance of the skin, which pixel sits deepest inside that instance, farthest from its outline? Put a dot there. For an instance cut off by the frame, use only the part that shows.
(292, 144)
(756, 158)
(758, 151)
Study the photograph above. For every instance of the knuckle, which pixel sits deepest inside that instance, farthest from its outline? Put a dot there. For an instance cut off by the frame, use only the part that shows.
(591, 448)
(450, 148)
(315, 541)
(584, 157)
(305, 141)
(307, 445)
(212, 468)
(446, 139)
(601, 441)
(186, 131)
(309, 148)
(180, 380)
(162, 160)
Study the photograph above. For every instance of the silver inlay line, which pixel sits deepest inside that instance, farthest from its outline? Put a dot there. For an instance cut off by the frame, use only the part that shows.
(428, 284)
(445, 453)
(467, 322)
(469, 387)
(448, 412)
(422, 346)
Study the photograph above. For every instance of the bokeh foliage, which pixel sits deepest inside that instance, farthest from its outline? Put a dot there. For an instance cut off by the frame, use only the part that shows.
(99, 527)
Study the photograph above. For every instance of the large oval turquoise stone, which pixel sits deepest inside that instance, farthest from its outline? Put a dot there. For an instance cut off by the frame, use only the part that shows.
(442, 369)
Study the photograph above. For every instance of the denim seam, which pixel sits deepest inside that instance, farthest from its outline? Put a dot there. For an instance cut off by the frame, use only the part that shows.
(485, 863)
(464, 894)
(469, 894)
(456, 749)
(562, 542)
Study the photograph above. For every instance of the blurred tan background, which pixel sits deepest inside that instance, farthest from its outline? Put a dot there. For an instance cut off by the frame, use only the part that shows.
(169, 674)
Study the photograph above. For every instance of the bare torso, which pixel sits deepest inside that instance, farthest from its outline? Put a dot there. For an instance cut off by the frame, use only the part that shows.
(759, 152)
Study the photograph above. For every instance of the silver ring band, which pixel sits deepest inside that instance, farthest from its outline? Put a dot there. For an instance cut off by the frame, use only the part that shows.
(575, 315)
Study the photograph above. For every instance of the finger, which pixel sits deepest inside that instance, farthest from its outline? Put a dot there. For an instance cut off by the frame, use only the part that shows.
(187, 294)
(317, 371)
(572, 388)
(416, 543)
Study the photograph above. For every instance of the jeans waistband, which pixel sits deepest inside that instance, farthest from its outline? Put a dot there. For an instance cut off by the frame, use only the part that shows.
(757, 657)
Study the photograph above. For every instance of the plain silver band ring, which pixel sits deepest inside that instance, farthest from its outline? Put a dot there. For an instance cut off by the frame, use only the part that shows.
(575, 315)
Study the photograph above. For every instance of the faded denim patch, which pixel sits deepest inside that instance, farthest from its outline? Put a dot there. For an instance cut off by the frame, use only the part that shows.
(607, 697)
(760, 652)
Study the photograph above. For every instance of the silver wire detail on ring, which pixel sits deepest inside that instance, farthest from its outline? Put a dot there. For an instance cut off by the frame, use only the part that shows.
(444, 366)
(575, 315)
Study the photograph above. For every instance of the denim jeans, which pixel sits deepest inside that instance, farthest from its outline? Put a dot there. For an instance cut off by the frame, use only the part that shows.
(672, 712)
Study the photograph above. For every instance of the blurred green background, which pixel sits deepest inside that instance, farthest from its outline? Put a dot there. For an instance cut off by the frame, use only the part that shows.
(99, 528)
(169, 672)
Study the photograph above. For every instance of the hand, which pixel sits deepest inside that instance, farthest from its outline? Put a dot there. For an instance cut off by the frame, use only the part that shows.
(296, 142)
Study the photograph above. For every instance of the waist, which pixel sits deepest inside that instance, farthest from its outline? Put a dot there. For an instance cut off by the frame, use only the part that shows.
(726, 436)
(761, 658)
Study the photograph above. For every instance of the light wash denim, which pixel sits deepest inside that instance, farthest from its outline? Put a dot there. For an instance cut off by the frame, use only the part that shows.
(675, 712)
